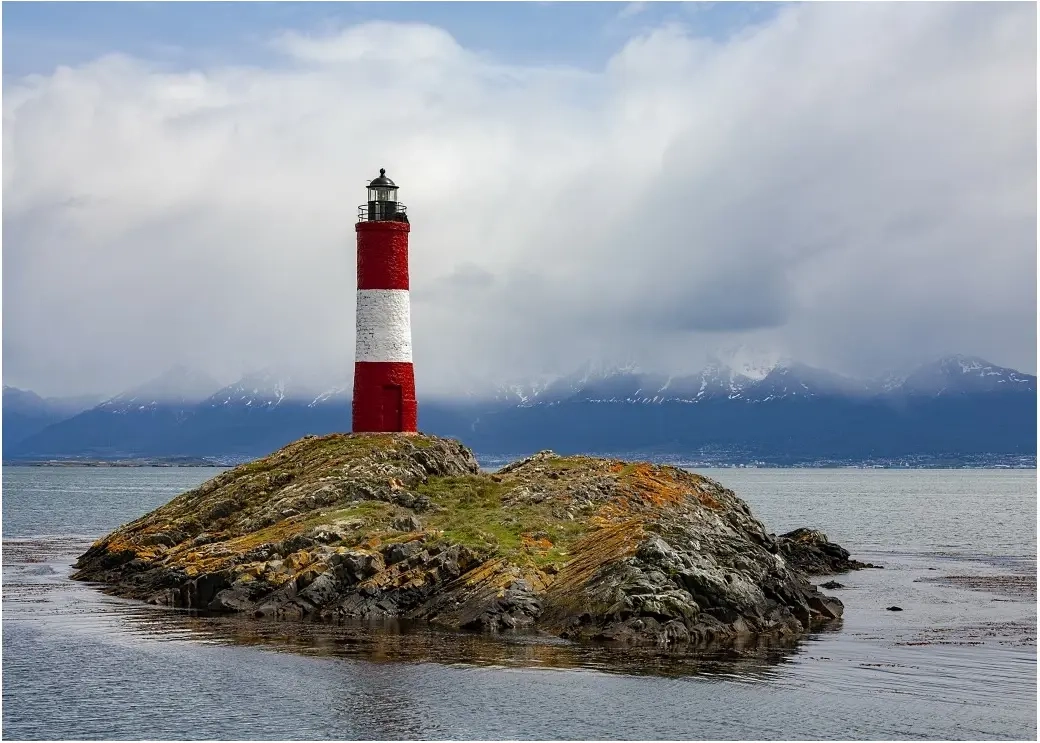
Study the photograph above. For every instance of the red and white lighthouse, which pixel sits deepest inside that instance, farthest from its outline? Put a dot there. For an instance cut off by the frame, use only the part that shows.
(384, 381)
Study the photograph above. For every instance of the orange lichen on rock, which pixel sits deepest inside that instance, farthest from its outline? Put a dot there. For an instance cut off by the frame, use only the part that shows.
(662, 486)
(654, 485)
(604, 546)
(538, 543)
(607, 544)
(120, 544)
(487, 572)
(371, 543)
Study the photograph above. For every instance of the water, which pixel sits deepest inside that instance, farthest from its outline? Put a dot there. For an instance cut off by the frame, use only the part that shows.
(959, 550)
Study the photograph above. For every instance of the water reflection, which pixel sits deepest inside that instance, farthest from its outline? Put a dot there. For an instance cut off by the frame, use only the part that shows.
(396, 641)
(36, 582)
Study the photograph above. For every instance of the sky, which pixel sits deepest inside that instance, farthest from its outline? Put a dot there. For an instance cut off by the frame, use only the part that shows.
(852, 185)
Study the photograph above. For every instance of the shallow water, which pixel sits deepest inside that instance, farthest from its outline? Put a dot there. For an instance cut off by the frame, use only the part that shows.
(959, 550)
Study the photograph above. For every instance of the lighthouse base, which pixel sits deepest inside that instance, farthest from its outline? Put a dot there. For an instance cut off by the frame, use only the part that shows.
(384, 398)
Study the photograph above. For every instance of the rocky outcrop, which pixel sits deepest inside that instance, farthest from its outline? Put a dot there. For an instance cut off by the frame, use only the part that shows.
(811, 552)
(367, 526)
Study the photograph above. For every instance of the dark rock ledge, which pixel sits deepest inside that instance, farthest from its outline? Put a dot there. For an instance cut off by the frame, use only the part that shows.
(368, 526)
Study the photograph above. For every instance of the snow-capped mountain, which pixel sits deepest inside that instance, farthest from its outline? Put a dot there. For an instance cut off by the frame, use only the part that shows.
(269, 389)
(776, 380)
(958, 375)
(260, 389)
(591, 377)
(750, 363)
(956, 408)
(177, 387)
(794, 413)
(793, 380)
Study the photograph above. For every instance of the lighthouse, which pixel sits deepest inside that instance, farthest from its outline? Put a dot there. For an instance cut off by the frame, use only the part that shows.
(384, 381)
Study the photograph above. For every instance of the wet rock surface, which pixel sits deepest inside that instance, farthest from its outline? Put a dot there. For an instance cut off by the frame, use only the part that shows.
(394, 526)
(810, 551)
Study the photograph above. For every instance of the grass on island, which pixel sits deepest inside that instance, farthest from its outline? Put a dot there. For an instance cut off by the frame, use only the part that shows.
(471, 513)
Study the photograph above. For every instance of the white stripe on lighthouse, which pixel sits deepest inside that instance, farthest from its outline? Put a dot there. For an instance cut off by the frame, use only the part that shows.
(384, 330)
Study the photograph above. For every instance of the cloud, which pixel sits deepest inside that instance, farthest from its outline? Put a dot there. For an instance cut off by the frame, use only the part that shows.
(853, 185)
(628, 10)
(373, 42)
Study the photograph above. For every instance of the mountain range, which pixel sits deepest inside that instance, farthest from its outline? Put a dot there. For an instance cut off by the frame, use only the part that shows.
(957, 410)
(26, 413)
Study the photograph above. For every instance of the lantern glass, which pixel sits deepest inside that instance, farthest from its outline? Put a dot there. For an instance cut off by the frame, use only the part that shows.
(382, 193)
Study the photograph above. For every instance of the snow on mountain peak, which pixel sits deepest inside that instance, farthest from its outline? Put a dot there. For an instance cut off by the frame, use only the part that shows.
(753, 363)
(178, 385)
(958, 363)
(339, 393)
(265, 388)
(958, 374)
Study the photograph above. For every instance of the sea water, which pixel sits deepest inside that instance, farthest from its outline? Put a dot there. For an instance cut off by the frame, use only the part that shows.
(959, 662)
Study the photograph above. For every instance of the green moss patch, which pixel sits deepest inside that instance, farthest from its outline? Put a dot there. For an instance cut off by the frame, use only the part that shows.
(470, 512)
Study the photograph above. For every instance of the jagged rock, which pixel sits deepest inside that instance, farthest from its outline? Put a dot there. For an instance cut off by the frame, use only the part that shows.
(395, 553)
(159, 538)
(407, 523)
(826, 606)
(234, 599)
(579, 547)
(323, 590)
(832, 585)
(811, 552)
(356, 566)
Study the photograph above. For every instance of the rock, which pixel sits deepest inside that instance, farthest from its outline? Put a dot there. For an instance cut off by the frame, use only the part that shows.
(407, 523)
(832, 585)
(322, 591)
(399, 551)
(298, 560)
(579, 547)
(827, 607)
(356, 566)
(235, 599)
(160, 539)
(332, 533)
(296, 543)
(893, 608)
(810, 551)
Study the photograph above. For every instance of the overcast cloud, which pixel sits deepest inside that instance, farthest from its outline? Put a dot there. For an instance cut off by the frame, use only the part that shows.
(852, 185)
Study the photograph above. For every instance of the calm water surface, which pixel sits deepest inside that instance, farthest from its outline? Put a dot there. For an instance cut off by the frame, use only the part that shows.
(959, 550)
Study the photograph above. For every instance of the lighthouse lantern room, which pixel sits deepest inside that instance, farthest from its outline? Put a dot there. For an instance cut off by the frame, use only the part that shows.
(384, 381)
(383, 204)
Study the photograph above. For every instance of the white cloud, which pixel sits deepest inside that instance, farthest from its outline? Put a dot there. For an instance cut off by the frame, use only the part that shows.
(853, 184)
(629, 10)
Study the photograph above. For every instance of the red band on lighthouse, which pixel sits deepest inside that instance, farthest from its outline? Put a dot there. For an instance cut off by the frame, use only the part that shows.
(382, 255)
(384, 380)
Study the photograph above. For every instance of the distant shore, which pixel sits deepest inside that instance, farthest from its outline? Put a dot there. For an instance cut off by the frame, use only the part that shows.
(491, 462)
(107, 463)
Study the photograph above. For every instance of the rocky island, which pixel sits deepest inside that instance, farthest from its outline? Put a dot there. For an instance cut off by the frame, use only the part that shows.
(407, 526)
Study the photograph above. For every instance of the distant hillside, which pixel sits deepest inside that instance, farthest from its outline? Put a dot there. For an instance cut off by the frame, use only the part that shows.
(26, 413)
(955, 410)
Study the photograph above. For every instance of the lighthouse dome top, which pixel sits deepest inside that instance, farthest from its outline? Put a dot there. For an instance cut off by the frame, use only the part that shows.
(382, 205)
(382, 181)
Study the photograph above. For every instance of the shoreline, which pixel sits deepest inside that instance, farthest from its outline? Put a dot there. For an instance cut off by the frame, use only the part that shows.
(494, 462)
(103, 463)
